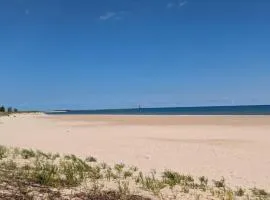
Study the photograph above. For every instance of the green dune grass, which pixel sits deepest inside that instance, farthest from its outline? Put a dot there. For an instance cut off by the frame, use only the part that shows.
(33, 174)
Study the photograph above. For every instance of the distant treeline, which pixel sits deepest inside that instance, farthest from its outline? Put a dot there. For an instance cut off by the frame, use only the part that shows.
(9, 109)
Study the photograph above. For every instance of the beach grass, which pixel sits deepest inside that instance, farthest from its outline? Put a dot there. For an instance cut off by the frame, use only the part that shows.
(33, 174)
(2, 114)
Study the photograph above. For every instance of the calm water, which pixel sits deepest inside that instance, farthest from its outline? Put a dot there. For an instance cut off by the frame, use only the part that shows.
(214, 110)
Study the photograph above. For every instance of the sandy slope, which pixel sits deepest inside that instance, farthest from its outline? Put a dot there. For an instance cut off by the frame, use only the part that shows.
(237, 148)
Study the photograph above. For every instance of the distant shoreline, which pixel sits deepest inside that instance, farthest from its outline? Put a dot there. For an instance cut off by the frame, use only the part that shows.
(202, 110)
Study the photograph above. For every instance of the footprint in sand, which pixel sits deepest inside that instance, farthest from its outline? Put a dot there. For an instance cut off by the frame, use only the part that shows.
(148, 157)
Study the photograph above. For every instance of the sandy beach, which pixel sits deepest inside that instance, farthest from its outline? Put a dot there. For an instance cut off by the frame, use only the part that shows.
(236, 147)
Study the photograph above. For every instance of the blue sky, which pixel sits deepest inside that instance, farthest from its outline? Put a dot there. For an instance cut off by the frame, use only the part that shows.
(81, 54)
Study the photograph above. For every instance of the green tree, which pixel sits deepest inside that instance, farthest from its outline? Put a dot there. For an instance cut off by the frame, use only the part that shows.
(15, 110)
(9, 109)
(2, 109)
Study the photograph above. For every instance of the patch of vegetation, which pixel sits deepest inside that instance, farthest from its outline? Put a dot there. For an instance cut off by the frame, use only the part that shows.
(203, 181)
(150, 183)
(49, 156)
(90, 159)
(220, 183)
(123, 189)
(240, 192)
(3, 152)
(229, 195)
(73, 170)
(134, 168)
(9, 165)
(127, 174)
(103, 165)
(119, 167)
(174, 178)
(45, 175)
(259, 192)
(94, 173)
(27, 153)
(55, 156)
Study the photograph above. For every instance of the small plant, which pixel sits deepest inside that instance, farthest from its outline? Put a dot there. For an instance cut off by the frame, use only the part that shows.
(45, 173)
(71, 177)
(90, 159)
(203, 183)
(96, 188)
(220, 183)
(74, 158)
(71, 157)
(40, 154)
(203, 180)
(3, 152)
(26, 154)
(240, 192)
(134, 168)
(259, 192)
(174, 178)
(150, 183)
(119, 167)
(127, 174)
(67, 157)
(103, 165)
(229, 195)
(109, 173)
(55, 156)
(185, 189)
(94, 173)
(74, 170)
(123, 189)
(171, 178)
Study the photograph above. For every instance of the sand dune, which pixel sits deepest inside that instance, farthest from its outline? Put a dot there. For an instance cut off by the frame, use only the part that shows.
(236, 147)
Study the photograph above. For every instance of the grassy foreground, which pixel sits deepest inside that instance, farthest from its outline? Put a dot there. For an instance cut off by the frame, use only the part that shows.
(29, 174)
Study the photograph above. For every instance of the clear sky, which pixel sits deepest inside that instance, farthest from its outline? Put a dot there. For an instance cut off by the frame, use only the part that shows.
(82, 54)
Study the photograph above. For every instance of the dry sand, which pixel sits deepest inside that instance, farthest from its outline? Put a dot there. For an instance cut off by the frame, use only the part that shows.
(236, 147)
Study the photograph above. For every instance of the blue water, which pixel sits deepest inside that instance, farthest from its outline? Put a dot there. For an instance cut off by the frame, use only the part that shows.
(213, 110)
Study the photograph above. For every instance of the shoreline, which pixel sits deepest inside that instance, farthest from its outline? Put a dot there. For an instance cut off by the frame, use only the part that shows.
(195, 110)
